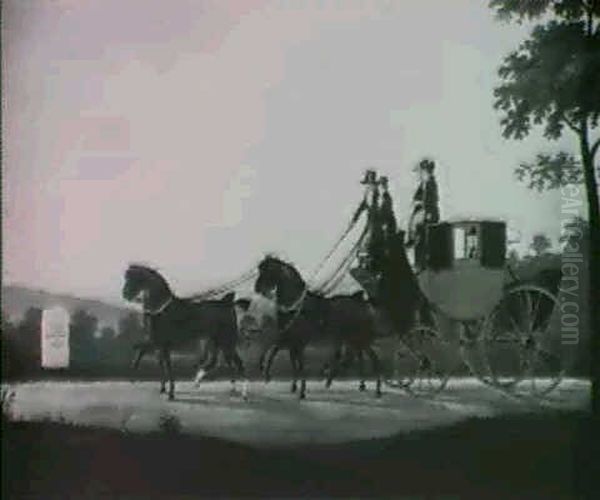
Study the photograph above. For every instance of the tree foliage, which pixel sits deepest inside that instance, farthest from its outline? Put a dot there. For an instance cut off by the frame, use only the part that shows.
(540, 244)
(520, 10)
(550, 171)
(552, 79)
(575, 236)
(82, 343)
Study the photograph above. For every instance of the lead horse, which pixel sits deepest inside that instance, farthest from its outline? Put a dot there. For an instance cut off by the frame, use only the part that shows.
(305, 316)
(175, 322)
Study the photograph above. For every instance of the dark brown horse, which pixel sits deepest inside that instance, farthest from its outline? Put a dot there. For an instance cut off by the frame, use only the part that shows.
(305, 316)
(174, 322)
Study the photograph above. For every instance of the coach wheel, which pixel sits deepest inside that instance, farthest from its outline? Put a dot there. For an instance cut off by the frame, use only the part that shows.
(522, 341)
(421, 362)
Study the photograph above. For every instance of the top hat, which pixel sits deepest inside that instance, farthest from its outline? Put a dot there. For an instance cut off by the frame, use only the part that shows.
(370, 177)
(383, 180)
(425, 164)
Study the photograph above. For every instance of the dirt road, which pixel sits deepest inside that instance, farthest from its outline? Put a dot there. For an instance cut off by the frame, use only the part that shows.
(273, 416)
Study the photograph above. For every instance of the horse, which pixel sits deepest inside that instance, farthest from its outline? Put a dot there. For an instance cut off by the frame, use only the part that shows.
(173, 322)
(305, 316)
(207, 347)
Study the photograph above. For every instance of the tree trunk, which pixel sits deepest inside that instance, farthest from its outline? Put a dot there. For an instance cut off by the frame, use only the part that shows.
(594, 278)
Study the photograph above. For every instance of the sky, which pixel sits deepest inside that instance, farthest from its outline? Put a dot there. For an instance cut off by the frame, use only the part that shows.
(198, 135)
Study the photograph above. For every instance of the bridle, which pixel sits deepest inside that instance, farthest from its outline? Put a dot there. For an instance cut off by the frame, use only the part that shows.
(294, 308)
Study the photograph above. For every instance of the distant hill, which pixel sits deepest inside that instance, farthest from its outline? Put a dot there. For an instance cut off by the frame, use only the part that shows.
(17, 299)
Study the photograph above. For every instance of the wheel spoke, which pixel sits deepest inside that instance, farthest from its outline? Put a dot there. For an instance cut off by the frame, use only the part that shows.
(535, 311)
(425, 374)
(523, 319)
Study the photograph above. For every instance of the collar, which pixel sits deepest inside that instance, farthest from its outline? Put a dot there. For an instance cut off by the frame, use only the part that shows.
(160, 309)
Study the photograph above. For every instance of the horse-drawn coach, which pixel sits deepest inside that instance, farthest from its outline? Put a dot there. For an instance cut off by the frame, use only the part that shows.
(467, 284)
(446, 288)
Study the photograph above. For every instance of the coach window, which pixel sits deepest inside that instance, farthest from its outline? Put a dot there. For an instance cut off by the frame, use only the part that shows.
(472, 243)
(459, 243)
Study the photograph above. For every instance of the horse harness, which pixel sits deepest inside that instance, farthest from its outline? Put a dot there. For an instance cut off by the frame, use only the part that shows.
(296, 308)
(160, 309)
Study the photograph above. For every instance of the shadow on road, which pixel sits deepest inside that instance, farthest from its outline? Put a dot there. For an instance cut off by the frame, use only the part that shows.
(528, 456)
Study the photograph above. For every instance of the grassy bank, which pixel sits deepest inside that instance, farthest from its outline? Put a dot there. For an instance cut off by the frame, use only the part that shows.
(514, 457)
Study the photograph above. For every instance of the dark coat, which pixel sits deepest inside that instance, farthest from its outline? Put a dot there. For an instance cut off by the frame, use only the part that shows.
(386, 213)
(375, 237)
(427, 195)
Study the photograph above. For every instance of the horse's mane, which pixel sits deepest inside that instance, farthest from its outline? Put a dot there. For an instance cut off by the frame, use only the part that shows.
(150, 270)
(287, 265)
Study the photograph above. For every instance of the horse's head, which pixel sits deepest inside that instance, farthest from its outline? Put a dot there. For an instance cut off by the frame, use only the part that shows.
(270, 273)
(138, 279)
(275, 274)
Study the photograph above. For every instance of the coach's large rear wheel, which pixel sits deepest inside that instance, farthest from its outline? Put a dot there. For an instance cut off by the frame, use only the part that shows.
(522, 341)
(421, 364)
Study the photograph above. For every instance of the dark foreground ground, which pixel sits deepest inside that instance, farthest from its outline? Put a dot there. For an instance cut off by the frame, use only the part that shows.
(526, 456)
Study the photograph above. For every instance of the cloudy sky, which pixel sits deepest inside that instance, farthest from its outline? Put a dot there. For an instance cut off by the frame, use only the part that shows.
(197, 135)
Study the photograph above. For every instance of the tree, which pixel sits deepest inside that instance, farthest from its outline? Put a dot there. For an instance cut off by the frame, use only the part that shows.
(107, 333)
(575, 237)
(130, 327)
(10, 360)
(513, 256)
(29, 338)
(7, 325)
(553, 80)
(130, 332)
(540, 243)
(82, 328)
(105, 344)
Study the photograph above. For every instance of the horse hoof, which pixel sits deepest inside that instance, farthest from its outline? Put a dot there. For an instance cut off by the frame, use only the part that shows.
(199, 376)
(163, 390)
(294, 388)
(362, 387)
(302, 395)
(378, 394)
(171, 397)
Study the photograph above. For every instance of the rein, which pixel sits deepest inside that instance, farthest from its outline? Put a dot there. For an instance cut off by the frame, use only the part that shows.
(295, 305)
(296, 308)
(297, 311)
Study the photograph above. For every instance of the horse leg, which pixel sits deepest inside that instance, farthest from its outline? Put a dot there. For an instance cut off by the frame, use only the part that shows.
(294, 370)
(167, 356)
(361, 386)
(300, 363)
(272, 353)
(328, 366)
(138, 358)
(241, 372)
(376, 369)
(208, 366)
(229, 360)
(334, 365)
(161, 364)
(142, 348)
(263, 356)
